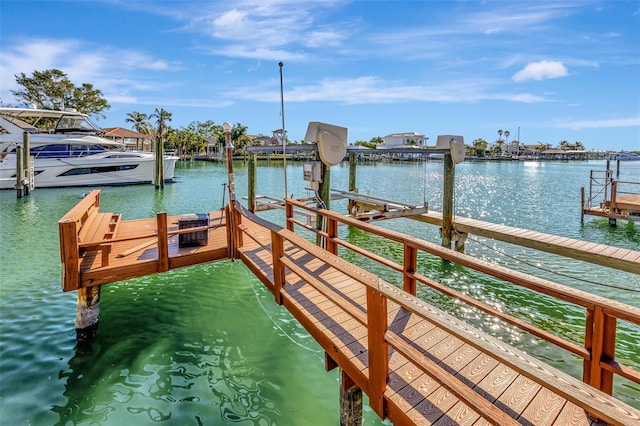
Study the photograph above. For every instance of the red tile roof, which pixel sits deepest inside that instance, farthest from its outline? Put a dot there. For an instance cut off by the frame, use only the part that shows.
(124, 133)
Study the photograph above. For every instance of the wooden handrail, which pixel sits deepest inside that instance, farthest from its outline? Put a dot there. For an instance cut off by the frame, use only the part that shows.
(598, 352)
(567, 294)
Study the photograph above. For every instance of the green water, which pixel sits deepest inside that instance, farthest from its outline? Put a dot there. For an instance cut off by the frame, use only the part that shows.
(207, 345)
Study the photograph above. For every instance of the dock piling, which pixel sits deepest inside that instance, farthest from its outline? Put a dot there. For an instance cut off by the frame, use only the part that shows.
(26, 162)
(251, 175)
(87, 312)
(447, 200)
(19, 172)
(350, 401)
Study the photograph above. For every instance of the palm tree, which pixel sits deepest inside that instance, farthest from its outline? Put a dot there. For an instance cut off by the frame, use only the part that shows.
(506, 135)
(161, 117)
(499, 135)
(140, 122)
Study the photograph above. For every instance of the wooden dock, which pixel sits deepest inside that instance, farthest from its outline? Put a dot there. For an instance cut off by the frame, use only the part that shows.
(610, 197)
(417, 364)
(100, 248)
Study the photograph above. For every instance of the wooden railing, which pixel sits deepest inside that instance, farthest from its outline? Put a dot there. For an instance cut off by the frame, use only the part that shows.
(598, 352)
(601, 313)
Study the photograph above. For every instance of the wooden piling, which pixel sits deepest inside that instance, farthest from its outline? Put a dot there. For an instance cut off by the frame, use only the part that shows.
(19, 172)
(163, 242)
(324, 192)
(251, 176)
(352, 178)
(87, 312)
(350, 401)
(26, 161)
(447, 200)
(159, 175)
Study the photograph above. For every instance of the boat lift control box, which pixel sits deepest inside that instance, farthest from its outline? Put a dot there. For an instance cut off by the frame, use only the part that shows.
(197, 238)
(313, 173)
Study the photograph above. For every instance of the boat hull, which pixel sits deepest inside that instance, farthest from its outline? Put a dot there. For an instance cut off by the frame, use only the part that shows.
(100, 170)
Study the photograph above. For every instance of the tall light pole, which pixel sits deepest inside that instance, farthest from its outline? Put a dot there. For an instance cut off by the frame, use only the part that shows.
(284, 133)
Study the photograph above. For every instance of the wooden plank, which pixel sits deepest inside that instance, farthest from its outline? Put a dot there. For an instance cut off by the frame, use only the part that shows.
(544, 408)
(139, 247)
(573, 415)
(496, 382)
(519, 394)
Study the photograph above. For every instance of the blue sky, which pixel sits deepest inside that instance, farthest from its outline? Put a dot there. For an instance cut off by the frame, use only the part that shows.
(562, 70)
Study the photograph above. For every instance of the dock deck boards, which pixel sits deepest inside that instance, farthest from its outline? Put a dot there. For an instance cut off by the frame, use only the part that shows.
(134, 250)
(414, 396)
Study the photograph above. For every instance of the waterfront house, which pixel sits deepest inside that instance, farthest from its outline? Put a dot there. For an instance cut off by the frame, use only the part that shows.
(398, 140)
(132, 140)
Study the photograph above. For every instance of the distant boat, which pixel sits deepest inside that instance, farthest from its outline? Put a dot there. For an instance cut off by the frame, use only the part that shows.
(625, 156)
(68, 150)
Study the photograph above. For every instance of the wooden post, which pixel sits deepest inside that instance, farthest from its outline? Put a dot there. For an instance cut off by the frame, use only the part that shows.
(232, 226)
(325, 186)
(227, 212)
(582, 204)
(332, 233)
(26, 161)
(251, 175)
(378, 350)
(603, 349)
(447, 200)
(155, 158)
(350, 401)
(324, 192)
(19, 172)
(607, 175)
(87, 312)
(352, 179)
(70, 258)
(289, 213)
(237, 221)
(410, 262)
(163, 242)
(277, 251)
(613, 207)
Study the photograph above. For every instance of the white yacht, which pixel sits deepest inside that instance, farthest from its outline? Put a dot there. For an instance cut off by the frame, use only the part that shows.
(67, 150)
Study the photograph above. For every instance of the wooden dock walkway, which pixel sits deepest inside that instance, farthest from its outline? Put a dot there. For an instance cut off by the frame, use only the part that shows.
(417, 364)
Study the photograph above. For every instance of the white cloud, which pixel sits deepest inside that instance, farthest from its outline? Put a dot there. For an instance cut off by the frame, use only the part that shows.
(541, 71)
(113, 71)
(374, 90)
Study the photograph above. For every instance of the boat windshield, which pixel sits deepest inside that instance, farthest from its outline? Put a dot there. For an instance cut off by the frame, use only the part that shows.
(66, 151)
(75, 123)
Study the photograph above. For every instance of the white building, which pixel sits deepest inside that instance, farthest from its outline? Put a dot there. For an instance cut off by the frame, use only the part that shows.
(397, 140)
